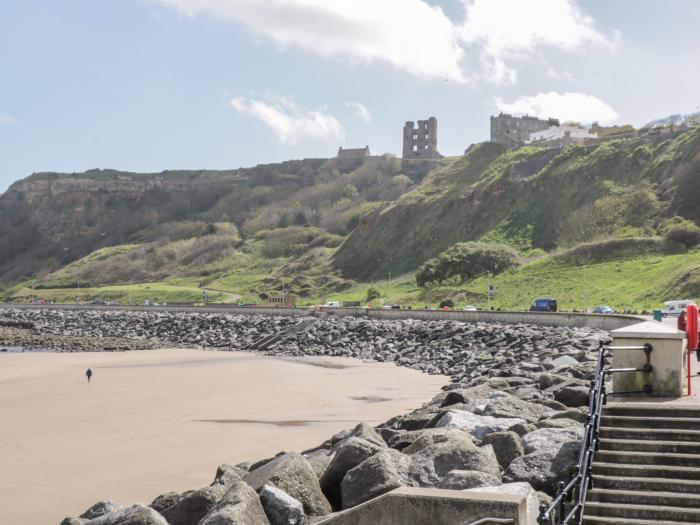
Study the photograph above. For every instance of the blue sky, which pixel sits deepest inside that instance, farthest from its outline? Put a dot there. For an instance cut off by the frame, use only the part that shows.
(148, 85)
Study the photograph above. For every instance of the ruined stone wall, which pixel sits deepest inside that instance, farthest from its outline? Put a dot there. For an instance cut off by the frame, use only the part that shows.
(420, 142)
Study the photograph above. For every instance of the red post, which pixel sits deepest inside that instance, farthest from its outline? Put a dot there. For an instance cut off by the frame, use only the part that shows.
(691, 320)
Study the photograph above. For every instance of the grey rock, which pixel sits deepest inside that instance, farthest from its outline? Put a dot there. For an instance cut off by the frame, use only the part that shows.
(506, 445)
(194, 505)
(228, 474)
(348, 454)
(517, 408)
(164, 501)
(73, 521)
(319, 460)
(239, 506)
(564, 360)
(573, 396)
(477, 426)
(467, 479)
(550, 438)
(523, 428)
(100, 508)
(558, 423)
(135, 515)
(434, 456)
(386, 470)
(294, 475)
(280, 507)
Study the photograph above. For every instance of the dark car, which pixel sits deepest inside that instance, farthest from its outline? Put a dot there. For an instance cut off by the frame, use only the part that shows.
(544, 305)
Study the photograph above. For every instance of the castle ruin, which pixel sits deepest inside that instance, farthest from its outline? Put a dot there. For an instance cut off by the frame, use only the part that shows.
(515, 131)
(420, 142)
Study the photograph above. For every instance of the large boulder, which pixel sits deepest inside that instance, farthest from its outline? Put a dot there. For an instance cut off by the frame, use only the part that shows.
(477, 426)
(292, 474)
(280, 507)
(348, 454)
(384, 471)
(512, 407)
(162, 502)
(467, 479)
(319, 460)
(228, 475)
(100, 508)
(506, 445)
(135, 515)
(239, 506)
(573, 396)
(73, 521)
(194, 505)
(545, 439)
(433, 456)
(517, 489)
(367, 432)
(545, 468)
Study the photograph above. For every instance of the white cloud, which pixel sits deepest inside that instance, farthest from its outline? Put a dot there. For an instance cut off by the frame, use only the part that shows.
(579, 107)
(413, 35)
(360, 110)
(7, 119)
(507, 28)
(289, 122)
(408, 34)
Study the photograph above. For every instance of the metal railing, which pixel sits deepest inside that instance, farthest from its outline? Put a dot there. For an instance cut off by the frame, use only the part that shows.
(568, 505)
(492, 521)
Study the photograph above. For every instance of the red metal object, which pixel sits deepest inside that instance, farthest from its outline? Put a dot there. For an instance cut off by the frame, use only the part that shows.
(691, 320)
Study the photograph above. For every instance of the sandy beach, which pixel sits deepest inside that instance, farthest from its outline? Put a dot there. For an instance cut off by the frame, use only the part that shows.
(162, 420)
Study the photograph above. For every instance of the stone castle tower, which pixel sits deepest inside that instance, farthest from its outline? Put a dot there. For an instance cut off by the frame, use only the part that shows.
(420, 142)
(515, 131)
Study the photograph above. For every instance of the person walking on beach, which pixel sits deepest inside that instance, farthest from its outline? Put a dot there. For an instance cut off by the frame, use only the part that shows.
(88, 373)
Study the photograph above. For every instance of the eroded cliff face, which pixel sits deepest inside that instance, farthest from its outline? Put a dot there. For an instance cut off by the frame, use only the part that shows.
(48, 219)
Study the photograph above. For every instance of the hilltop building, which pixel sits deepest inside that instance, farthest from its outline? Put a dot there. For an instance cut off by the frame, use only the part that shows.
(420, 142)
(515, 131)
(560, 136)
(353, 153)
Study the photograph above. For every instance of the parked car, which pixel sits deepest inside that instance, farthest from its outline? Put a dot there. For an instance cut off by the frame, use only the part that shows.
(332, 304)
(470, 308)
(603, 310)
(392, 306)
(544, 305)
(675, 307)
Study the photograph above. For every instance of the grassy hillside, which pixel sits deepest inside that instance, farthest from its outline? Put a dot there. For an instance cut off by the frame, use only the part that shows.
(327, 230)
(530, 199)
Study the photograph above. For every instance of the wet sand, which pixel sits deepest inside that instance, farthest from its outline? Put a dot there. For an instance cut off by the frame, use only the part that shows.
(162, 420)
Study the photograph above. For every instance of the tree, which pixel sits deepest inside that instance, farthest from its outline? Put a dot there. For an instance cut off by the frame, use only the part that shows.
(467, 261)
(372, 294)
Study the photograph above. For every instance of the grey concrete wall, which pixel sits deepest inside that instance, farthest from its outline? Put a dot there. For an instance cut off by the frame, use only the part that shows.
(417, 506)
(599, 321)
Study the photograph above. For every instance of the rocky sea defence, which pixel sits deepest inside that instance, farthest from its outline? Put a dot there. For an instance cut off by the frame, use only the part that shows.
(512, 414)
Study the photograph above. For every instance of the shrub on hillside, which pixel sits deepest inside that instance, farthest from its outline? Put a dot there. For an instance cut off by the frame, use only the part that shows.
(447, 303)
(466, 261)
(372, 294)
(611, 249)
(683, 231)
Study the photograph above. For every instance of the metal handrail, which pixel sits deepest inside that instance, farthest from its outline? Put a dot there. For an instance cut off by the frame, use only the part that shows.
(568, 505)
(484, 521)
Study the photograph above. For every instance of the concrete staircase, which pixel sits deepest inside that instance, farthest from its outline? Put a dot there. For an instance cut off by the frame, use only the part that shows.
(647, 470)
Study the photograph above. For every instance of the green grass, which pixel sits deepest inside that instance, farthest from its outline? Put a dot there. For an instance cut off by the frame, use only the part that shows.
(636, 283)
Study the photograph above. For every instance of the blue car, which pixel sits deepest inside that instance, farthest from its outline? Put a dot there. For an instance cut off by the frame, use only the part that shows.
(603, 310)
(544, 305)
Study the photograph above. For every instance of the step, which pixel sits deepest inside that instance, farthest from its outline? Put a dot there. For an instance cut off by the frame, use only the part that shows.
(651, 410)
(684, 486)
(648, 445)
(601, 520)
(645, 471)
(645, 512)
(652, 423)
(647, 458)
(633, 497)
(650, 434)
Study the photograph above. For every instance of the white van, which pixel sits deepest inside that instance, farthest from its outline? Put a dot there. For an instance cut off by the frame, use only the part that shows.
(676, 307)
(332, 304)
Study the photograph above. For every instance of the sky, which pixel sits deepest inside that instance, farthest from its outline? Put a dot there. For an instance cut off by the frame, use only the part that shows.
(150, 85)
